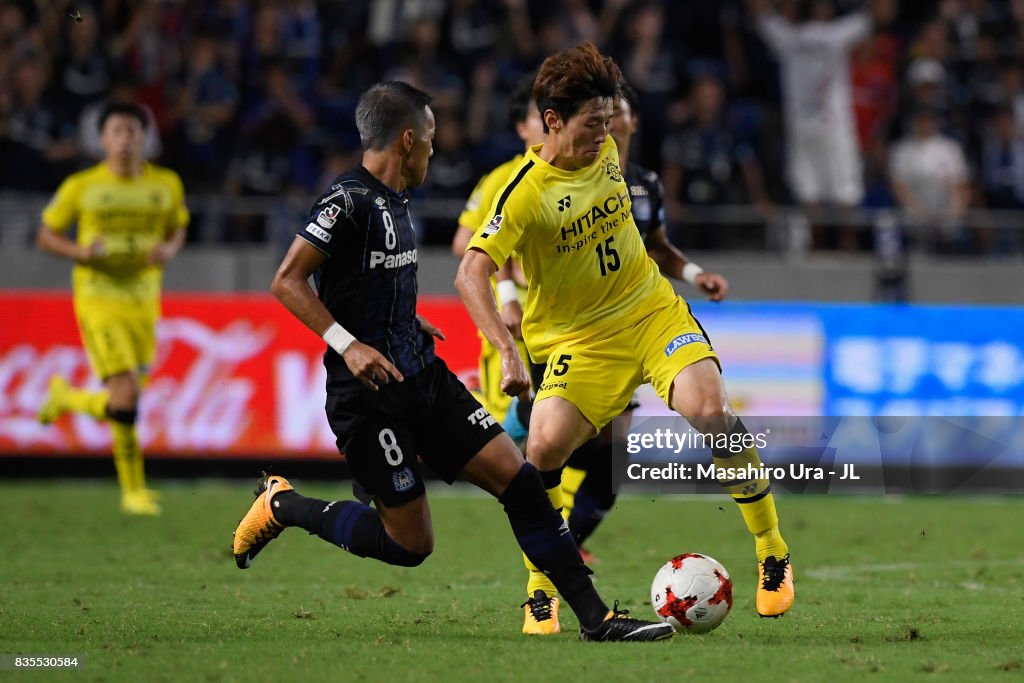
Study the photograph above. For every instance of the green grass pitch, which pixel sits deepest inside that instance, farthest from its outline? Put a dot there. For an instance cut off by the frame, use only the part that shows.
(887, 589)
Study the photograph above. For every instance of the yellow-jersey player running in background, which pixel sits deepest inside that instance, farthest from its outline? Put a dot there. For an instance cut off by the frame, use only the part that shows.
(131, 220)
(598, 310)
(525, 118)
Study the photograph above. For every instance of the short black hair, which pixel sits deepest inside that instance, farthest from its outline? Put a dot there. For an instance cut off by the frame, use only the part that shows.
(387, 109)
(519, 100)
(123, 109)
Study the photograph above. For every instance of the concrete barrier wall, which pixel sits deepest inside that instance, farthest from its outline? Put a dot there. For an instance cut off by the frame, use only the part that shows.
(752, 276)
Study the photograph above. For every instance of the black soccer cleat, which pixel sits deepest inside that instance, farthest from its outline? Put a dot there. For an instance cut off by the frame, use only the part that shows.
(621, 628)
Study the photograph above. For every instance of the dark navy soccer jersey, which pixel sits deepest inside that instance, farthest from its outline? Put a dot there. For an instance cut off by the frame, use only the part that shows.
(647, 194)
(368, 281)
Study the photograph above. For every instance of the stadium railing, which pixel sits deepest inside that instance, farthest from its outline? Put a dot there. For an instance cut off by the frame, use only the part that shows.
(785, 230)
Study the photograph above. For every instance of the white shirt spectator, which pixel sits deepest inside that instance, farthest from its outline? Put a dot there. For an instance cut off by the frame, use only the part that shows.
(815, 58)
(824, 159)
(932, 168)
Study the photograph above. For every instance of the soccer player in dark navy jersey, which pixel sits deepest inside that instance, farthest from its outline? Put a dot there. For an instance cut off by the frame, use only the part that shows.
(368, 280)
(389, 398)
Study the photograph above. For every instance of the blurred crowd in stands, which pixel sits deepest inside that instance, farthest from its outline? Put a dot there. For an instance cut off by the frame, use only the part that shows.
(819, 104)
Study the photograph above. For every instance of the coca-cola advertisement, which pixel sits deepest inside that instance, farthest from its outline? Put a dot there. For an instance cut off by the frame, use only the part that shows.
(234, 375)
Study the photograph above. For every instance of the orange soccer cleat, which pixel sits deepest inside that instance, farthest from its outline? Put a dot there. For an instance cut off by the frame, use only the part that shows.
(541, 615)
(258, 527)
(775, 586)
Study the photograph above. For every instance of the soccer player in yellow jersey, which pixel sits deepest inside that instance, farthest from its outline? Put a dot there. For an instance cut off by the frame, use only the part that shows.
(525, 118)
(131, 220)
(598, 310)
(587, 491)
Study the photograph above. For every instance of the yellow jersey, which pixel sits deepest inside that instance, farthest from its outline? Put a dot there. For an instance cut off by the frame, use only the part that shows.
(587, 269)
(474, 214)
(131, 215)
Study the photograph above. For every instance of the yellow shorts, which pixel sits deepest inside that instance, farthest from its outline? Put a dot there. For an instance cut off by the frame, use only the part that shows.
(491, 396)
(118, 340)
(599, 376)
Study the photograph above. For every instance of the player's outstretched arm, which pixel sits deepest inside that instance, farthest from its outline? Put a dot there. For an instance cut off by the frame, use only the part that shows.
(473, 283)
(673, 264)
(291, 287)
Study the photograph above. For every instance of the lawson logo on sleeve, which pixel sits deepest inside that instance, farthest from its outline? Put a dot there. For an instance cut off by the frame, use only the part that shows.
(682, 340)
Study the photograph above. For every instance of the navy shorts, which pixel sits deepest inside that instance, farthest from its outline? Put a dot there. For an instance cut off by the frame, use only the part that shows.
(431, 414)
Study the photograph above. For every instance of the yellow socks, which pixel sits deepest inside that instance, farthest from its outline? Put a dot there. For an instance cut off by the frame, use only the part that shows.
(87, 401)
(571, 480)
(135, 499)
(128, 462)
(755, 501)
(770, 542)
(127, 457)
(127, 454)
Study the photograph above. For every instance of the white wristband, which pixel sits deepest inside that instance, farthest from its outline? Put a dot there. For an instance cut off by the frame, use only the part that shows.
(507, 292)
(338, 338)
(690, 272)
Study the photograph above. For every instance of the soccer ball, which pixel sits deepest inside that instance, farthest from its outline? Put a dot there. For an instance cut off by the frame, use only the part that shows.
(692, 592)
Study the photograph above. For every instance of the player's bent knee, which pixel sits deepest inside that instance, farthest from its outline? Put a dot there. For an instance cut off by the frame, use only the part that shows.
(423, 547)
(415, 560)
(409, 554)
(125, 416)
(398, 556)
(708, 405)
(408, 548)
(408, 541)
(406, 558)
(123, 388)
(547, 450)
(713, 421)
(712, 407)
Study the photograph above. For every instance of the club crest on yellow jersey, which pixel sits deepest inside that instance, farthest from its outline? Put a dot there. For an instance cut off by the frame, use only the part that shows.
(612, 170)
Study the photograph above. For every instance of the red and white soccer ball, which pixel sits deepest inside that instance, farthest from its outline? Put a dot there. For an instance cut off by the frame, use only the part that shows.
(692, 592)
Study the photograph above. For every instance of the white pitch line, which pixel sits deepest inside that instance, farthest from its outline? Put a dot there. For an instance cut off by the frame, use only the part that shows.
(851, 571)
